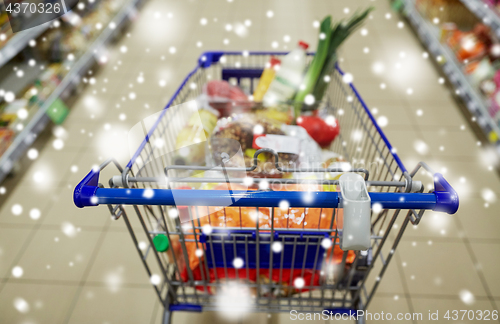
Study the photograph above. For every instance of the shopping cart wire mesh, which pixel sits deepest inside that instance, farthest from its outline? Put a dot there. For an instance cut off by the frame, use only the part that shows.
(281, 264)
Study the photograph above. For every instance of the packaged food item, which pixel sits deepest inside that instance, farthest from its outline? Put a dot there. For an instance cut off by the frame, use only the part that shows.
(288, 77)
(241, 136)
(266, 78)
(279, 113)
(446, 11)
(225, 98)
(191, 140)
(12, 111)
(480, 71)
(6, 137)
(447, 29)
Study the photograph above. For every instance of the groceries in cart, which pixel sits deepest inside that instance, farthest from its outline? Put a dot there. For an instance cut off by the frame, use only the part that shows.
(210, 262)
(288, 77)
(224, 97)
(263, 138)
(266, 78)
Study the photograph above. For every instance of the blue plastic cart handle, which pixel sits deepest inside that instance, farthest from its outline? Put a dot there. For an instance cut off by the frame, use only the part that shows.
(87, 193)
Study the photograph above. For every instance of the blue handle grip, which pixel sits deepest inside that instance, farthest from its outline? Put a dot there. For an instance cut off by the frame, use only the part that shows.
(444, 198)
(320, 199)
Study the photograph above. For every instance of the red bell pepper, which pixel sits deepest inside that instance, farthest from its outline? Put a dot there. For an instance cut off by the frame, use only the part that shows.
(323, 132)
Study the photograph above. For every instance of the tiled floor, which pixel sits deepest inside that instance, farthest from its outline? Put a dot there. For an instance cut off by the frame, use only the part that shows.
(81, 267)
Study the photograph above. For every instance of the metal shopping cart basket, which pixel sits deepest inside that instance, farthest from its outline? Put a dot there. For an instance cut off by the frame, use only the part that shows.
(191, 261)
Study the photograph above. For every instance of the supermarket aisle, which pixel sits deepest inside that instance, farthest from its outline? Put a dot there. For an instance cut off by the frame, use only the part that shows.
(81, 267)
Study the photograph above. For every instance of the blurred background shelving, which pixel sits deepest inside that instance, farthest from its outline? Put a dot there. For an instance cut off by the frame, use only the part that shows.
(462, 36)
(43, 68)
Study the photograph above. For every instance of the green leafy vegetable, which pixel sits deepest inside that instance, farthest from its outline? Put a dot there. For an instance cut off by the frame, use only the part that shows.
(316, 65)
(323, 65)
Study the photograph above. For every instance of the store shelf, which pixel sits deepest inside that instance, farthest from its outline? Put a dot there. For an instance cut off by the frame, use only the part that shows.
(39, 121)
(453, 70)
(19, 41)
(483, 11)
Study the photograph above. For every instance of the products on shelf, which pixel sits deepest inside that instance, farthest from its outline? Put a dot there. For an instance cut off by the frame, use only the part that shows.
(60, 47)
(75, 37)
(474, 46)
(442, 11)
(5, 30)
(6, 137)
(16, 114)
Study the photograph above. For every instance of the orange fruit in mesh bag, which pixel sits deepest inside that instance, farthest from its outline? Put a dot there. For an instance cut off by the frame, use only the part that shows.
(246, 217)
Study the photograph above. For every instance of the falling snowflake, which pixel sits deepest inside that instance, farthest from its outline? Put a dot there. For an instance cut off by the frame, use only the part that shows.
(326, 243)
(378, 67)
(488, 195)
(68, 229)
(142, 245)
(277, 247)
(238, 263)
(299, 283)
(155, 279)
(206, 229)
(376, 208)
(16, 209)
(309, 99)
(32, 153)
(9, 96)
(234, 301)
(17, 272)
(21, 305)
(173, 213)
(382, 121)
(467, 297)
(284, 205)
(148, 193)
(35, 213)
(347, 78)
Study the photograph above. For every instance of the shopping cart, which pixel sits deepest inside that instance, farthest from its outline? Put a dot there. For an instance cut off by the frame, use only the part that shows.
(303, 273)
